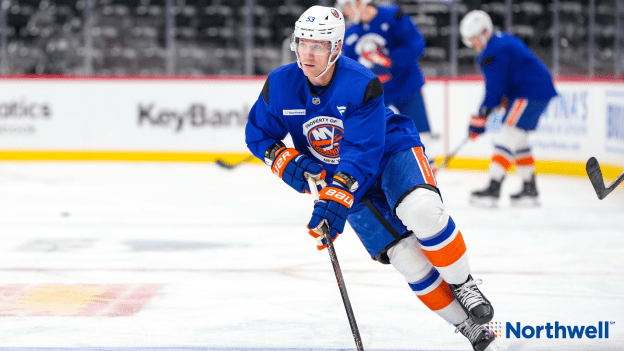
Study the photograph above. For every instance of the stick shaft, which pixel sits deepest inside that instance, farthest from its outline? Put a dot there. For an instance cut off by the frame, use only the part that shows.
(343, 290)
(338, 273)
(448, 158)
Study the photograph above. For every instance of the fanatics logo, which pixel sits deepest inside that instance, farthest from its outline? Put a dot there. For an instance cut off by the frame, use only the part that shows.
(316, 100)
(342, 109)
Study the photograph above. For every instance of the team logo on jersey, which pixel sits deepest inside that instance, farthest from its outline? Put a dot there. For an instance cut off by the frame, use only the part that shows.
(373, 43)
(316, 100)
(351, 39)
(324, 134)
(335, 13)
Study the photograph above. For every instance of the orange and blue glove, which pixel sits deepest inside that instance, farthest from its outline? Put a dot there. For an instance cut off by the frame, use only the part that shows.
(294, 168)
(478, 123)
(332, 208)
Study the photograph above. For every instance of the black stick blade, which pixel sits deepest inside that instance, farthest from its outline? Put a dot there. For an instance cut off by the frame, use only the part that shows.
(224, 164)
(595, 176)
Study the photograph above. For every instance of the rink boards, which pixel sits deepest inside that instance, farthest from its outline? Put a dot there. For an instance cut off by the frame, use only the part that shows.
(203, 119)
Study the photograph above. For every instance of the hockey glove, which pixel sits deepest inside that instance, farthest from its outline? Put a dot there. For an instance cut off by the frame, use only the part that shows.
(477, 123)
(294, 168)
(332, 208)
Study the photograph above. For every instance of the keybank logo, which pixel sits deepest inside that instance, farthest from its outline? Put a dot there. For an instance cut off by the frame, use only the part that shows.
(549, 330)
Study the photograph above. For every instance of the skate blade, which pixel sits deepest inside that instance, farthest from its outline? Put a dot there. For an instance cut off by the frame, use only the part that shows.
(484, 202)
(525, 202)
(493, 346)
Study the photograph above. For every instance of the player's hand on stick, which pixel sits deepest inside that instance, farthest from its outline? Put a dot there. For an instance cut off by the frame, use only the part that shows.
(332, 208)
(477, 123)
(294, 169)
(477, 126)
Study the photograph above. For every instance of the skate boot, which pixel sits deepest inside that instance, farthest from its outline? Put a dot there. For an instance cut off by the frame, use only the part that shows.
(528, 196)
(489, 196)
(476, 306)
(481, 338)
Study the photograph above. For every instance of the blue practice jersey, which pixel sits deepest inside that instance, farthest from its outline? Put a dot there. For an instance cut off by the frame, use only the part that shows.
(513, 71)
(345, 127)
(395, 35)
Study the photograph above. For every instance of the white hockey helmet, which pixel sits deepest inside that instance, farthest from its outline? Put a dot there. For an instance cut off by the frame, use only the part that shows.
(473, 24)
(320, 23)
(356, 18)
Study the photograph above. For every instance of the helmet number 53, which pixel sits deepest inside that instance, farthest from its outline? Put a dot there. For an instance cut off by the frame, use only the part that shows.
(310, 19)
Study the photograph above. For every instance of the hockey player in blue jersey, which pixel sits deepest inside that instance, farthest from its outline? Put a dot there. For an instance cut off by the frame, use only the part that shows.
(513, 73)
(386, 40)
(371, 169)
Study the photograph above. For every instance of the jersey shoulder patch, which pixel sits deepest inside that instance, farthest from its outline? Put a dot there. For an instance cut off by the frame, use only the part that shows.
(265, 91)
(374, 89)
(488, 60)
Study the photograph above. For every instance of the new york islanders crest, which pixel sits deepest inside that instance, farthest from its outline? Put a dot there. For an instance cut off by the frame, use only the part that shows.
(324, 134)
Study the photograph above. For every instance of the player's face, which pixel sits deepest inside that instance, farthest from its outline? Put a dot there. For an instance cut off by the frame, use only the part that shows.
(476, 42)
(350, 11)
(314, 56)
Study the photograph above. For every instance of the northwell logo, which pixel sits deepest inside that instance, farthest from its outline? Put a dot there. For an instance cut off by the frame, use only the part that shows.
(550, 331)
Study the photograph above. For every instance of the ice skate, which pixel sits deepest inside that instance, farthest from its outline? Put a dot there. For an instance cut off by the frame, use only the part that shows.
(477, 307)
(480, 337)
(528, 196)
(487, 197)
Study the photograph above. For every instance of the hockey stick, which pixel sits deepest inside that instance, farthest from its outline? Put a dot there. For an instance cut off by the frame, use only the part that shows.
(451, 155)
(226, 165)
(341, 284)
(595, 176)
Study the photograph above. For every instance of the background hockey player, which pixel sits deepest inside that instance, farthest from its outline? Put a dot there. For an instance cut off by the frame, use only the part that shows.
(376, 172)
(386, 40)
(512, 72)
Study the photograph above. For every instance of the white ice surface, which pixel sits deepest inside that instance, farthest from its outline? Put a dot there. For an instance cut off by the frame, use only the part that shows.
(239, 270)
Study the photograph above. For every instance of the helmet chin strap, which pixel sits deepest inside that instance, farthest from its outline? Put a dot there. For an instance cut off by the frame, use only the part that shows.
(330, 63)
(484, 41)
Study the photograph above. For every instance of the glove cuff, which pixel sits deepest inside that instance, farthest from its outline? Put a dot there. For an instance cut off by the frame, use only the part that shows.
(346, 181)
(271, 153)
(336, 194)
(282, 159)
(484, 112)
(478, 121)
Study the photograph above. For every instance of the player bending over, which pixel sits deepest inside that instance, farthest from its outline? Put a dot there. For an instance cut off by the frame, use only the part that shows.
(378, 177)
(512, 73)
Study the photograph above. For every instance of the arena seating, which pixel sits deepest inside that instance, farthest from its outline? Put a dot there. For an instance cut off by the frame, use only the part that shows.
(47, 36)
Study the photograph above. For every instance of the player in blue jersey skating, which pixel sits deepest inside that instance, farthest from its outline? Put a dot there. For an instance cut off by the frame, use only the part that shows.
(386, 40)
(371, 167)
(513, 73)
